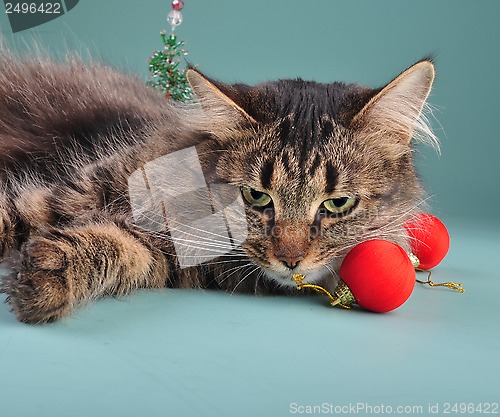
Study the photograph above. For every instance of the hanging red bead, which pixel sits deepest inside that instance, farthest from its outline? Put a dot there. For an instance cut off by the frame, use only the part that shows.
(177, 5)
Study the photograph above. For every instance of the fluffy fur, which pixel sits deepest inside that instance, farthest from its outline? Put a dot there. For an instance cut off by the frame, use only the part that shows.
(71, 134)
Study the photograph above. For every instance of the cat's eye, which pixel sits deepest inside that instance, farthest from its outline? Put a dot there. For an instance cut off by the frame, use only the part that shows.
(340, 205)
(256, 198)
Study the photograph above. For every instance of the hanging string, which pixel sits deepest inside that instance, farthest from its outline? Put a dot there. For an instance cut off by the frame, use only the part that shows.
(451, 285)
(167, 73)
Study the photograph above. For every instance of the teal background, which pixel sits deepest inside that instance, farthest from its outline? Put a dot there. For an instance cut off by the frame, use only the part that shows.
(193, 353)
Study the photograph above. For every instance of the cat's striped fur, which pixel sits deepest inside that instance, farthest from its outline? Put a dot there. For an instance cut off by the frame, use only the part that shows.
(71, 135)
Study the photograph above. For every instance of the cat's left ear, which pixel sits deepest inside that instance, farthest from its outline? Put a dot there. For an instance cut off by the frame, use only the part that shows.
(222, 114)
(395, 113)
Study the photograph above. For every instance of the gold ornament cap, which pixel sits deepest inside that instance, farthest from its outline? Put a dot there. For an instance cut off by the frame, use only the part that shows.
(345, 298)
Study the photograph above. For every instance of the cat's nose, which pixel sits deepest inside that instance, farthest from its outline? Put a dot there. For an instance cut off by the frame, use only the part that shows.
(291, 262)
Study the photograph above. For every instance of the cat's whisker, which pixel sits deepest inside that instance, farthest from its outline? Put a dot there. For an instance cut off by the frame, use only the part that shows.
(208, 256)
(405, 214)
(212, 251)
(200, 240)
(173, 225)
(388, 232)
(394, 228)
(232, 259)
(331, 270)
(259, 276)
(256, 267)
(207, 245)
(193, 228)
(231, 271)
(227, 274)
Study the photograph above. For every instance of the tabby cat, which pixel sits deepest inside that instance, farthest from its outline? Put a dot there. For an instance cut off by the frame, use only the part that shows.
(319, 167)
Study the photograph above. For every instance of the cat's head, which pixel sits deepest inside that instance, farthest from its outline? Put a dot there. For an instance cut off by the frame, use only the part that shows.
(321, 167)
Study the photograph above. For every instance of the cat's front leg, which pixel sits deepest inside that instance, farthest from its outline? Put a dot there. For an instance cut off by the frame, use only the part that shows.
(7, 224)
(62, 269)
(22, 214)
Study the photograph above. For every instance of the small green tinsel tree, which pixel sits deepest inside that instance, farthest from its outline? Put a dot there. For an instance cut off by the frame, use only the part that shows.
(166, 70)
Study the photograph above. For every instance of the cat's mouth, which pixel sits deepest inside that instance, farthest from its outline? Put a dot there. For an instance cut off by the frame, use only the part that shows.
(323, 274)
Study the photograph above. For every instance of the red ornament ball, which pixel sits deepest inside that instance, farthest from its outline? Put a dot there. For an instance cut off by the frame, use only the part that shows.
(429, 239)
(379, 274)
(177, 5)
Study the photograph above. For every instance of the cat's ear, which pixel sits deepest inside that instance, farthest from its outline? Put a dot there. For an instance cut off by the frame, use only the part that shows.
(222, 114)
(396, 112)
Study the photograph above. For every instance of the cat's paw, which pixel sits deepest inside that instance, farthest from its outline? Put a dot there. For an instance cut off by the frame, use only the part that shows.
(41, 290)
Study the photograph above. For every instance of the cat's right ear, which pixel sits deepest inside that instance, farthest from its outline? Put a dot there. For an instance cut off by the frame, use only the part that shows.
(222, 115)
(396, 113)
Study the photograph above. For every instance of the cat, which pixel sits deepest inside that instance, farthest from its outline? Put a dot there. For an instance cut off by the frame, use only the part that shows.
(317, 168)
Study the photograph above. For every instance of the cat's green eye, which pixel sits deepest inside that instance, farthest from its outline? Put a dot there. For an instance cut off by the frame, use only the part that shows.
(256, 198)
(340, 205)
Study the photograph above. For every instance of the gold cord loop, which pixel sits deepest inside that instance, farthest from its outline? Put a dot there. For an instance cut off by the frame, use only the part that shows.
(298, 278)
(451, 285)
